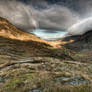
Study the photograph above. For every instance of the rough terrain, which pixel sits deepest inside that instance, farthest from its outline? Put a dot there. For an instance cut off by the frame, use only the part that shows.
(28, 64)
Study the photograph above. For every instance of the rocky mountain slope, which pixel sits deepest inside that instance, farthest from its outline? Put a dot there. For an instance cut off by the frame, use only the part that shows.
(82, 45)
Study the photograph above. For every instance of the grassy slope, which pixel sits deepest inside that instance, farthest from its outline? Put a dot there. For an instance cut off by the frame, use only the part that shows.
(10, 31)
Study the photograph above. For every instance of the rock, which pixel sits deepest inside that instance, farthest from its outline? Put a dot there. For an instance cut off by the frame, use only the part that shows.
(25, 61)
(72, 81)
(1, 80)
(62, 79)
(35, 90)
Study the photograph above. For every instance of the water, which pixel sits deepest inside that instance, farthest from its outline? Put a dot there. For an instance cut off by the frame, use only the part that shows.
(58, 34)
(72, 81)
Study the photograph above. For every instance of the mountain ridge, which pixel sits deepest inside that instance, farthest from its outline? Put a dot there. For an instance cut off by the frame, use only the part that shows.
(10, 31)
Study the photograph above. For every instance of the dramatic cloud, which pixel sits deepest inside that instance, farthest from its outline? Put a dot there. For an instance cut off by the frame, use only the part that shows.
(26, 17)
(50, 17)
(56, 17)
(17, 13)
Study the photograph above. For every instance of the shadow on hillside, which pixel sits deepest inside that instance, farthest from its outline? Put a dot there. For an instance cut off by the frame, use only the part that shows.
(17, 48)
(80, 42)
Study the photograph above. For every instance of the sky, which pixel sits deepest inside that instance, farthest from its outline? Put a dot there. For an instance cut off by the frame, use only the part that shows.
(48, 16)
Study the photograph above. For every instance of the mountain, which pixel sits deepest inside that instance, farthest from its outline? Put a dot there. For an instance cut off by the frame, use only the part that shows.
(82, 45)
(10, 31)
(29, 64)
(14, 40)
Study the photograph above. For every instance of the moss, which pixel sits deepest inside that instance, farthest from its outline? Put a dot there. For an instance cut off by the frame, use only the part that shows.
(80, 55)
(29, 76)
(13, 83)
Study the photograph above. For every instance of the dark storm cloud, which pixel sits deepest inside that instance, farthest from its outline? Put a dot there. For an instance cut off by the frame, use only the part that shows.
(40, 14)
(17, 13)
(26, 17)
(56, 17)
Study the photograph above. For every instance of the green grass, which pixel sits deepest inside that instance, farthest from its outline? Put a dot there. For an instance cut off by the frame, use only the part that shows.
(80, 55)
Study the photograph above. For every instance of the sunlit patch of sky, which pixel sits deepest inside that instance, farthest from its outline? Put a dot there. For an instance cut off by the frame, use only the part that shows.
(49, 35)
